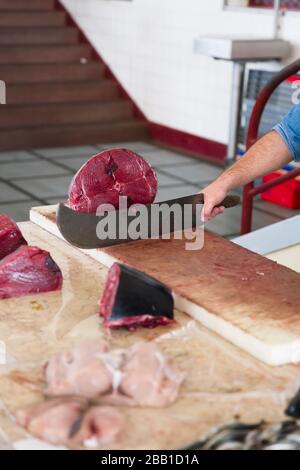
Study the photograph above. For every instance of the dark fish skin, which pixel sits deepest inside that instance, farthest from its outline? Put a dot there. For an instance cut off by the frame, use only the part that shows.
(293, 409)
(132, 298)
(11, 237)
(28, 270)
(108, 175)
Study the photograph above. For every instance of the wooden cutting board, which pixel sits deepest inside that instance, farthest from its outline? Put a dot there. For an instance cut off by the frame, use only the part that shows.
(221, 381)
(249, 300)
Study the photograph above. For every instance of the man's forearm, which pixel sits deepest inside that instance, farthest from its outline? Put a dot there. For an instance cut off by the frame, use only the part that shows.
(267, 155)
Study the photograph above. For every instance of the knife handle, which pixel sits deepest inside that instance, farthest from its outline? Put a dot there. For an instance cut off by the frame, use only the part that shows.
(229, 201)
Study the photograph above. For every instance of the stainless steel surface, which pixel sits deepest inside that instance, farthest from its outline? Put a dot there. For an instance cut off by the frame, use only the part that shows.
(242, 49)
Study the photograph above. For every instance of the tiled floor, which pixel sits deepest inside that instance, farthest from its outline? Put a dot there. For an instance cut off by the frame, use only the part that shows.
(31, 178)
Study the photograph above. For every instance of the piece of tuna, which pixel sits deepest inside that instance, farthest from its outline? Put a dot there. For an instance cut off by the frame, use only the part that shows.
(11, 237)
(28, 270)
(79, 372)
(108, 175)
(132, 298)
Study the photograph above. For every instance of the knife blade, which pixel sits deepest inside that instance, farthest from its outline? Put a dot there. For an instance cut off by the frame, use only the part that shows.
(83, 230)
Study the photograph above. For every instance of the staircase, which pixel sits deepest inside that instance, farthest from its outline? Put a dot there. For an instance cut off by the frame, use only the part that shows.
(57, 94)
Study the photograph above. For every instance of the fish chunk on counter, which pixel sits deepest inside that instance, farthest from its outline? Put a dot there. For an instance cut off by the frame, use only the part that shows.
(132, 298)
(28, 270)
(137, 376)
(100, 426)
(71, 422)
(111, 174)
(148, 378)
(79, 372)
(11, 237)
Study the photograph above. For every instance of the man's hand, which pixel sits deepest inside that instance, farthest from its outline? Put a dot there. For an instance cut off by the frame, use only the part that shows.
(214, 194)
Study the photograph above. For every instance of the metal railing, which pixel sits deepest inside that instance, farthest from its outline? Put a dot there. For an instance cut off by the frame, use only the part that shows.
(252, 135)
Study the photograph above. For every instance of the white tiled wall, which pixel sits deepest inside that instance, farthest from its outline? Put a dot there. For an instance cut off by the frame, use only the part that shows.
(149, 46)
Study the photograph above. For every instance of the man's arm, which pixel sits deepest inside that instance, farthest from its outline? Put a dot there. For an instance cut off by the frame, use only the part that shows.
(266, 155)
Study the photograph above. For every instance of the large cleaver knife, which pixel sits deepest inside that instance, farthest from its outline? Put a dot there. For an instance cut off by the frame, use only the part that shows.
(82, 230)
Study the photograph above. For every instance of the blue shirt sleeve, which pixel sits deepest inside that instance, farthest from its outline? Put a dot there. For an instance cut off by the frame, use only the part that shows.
(289, 130)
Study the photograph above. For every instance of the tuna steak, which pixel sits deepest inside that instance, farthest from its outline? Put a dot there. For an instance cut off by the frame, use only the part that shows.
(131, 299)
(108, 175)
(28, 270)
(11, 237)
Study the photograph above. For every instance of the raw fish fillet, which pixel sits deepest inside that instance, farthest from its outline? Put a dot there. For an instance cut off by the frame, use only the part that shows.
(11, 237)
(137, 376)
(147, 377)
(52, 420)
(100, 425)
(132, 298)
(108, 175)
(79, 372)
(28, 270)
(69, 421)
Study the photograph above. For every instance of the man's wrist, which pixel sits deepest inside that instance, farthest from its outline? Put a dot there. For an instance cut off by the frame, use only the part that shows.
(225, 183)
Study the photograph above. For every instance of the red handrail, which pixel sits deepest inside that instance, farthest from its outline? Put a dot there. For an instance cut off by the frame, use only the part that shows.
(252, 135)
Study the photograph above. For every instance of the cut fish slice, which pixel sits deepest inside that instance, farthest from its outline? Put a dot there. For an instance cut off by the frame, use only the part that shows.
(137, 376)
(11, 237)
(148, 378)
(52, 420)
(28, 270)
(70, 422)
(132, 298)
(79, 372)
(100, 425)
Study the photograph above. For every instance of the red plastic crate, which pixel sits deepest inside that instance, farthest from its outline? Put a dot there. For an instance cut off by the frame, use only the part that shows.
(286, 194)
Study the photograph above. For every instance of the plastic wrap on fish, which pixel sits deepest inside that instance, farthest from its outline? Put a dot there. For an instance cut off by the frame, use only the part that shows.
(137, 376)
(28, 270)
(71, 421)
(11, 237)
(132, 298)
(110, 174)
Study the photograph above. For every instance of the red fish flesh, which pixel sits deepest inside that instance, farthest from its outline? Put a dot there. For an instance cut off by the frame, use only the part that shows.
(132, 298)
(137, 376)
(70, 422)
(28, 270)
(11, 237)
(108, 175)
